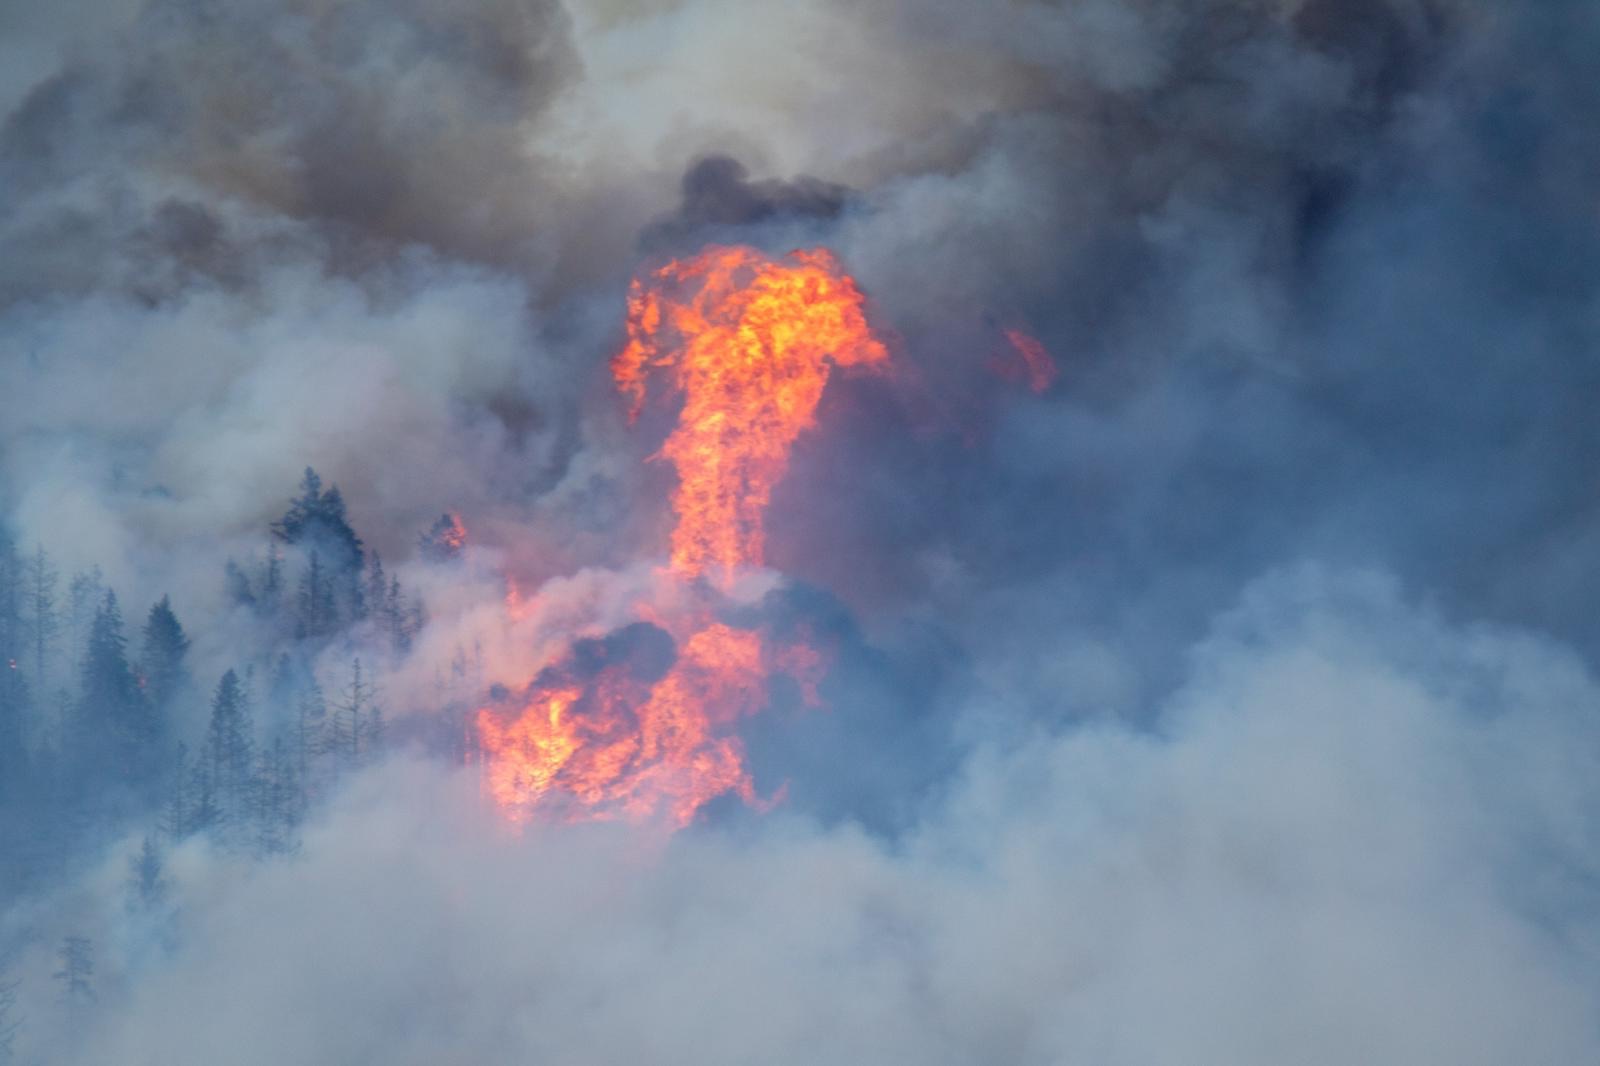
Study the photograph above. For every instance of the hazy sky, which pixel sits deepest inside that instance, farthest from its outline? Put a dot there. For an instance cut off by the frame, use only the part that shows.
(1229, 701)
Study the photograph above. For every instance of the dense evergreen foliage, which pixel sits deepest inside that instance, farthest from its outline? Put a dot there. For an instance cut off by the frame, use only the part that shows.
(115, 728)
(104, 731)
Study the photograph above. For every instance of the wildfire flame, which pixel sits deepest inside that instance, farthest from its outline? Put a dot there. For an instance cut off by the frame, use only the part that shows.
(749, 342)
(452, 534)
(1036, 369)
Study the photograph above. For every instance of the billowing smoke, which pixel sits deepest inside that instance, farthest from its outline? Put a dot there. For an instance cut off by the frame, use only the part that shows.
(1210, 682)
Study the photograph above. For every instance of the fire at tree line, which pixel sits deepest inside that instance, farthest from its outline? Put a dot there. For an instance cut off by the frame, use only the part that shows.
(93, 708)
(90, 744)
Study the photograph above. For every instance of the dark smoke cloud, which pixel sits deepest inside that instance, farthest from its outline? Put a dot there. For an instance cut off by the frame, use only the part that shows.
(394, 121)
(1107, 772)
(1289, 273)
(720, 202)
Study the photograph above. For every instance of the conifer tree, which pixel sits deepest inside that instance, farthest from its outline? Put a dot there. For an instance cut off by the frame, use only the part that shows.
(205, 811)
(13, 746)
(77, 970)
(116, 728)
(316, 522)
(42, 617)
(377, 592)
(14, 689)
(162, 661)
(271, 597)
(179, 817)
(444, 540)
(84, 594)
(281, 687)
(317, 606)
(239, 590)
(316, 518)
(357, 725)
(227, 760)
(279, 801)
(312, 741)
(147, 883)
(11, 598)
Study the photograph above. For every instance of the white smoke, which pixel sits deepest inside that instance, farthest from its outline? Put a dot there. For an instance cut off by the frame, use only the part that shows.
(1363, 835)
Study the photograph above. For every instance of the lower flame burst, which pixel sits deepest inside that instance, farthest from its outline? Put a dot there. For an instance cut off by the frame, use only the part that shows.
(748, 342)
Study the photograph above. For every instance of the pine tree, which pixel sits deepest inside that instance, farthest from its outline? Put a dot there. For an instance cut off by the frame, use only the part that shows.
(147, 883)
(357, 725)
(395, 620)
(179, 817)
(302, 508)
(316, 518)
(444, 540)
(376, 729)
(311, 738)
(115, 725)
(463, 683)
(377, 595)
(77, 970)
(205, 811)
(316, 522)
(280, 801)
(162, 659)
(12, 585)
(415, 618)
(83, 599)
(318, 607)
(146, 892)
(14, 704)
(271, 598)
(403, 618)
(227, 758)
(331, 516)
(13, 745)
(281, 687)
(43, 619)
(237, 582)
(247, 687)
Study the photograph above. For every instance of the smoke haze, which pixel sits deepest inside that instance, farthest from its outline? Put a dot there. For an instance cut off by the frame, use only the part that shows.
(1231, 699)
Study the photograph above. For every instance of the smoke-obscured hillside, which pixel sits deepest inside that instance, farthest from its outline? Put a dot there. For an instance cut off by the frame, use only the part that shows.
(1178, 647)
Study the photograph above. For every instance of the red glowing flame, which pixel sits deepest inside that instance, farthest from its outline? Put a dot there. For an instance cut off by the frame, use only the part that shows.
(1032, 365)
(611, 747)
(452, 533)
(749, 342)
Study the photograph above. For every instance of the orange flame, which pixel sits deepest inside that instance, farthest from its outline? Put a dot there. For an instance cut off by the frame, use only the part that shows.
(453, 537)
(749, 342)
(613, 747)
(1038, 370)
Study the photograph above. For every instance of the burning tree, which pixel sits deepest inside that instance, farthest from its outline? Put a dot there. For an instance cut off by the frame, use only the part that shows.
(748, 342)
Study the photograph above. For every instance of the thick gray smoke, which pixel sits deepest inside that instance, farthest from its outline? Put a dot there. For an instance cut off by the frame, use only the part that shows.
(1361, 835)
(1229, 700)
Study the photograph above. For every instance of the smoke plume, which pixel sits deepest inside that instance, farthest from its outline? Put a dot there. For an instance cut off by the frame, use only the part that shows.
(1197, 608)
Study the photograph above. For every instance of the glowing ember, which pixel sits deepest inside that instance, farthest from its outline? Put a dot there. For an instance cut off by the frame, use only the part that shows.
(451, 533)
(1038, 370)
(749, 342)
